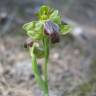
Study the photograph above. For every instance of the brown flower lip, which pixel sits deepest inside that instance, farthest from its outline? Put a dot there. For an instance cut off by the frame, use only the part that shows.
(28, 43)
(55, 38)
(52, 30)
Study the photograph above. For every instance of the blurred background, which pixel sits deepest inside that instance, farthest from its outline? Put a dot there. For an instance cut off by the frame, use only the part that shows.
(72, 65)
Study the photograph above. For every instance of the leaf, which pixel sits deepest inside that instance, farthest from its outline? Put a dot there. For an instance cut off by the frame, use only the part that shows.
(64, 29)
(55, 17)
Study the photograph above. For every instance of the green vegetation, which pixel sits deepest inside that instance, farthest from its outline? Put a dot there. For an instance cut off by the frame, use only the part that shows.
(43, 33)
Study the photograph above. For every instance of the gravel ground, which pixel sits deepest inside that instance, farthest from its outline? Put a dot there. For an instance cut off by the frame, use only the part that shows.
(72, 65)
(69, 67)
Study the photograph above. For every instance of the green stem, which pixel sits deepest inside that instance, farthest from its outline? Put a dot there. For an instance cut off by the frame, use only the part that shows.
(45, 69)
(36, 70)
(43, 83)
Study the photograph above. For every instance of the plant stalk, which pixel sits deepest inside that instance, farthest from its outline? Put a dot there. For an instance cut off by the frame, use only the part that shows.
(45, 66)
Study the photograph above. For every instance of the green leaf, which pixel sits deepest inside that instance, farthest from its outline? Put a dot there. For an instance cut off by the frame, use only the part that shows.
(55, 17)
(64, 29)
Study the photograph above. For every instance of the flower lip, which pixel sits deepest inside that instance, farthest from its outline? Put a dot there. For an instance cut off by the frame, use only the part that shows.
(52, 30)
(55, 38)
(28, 43)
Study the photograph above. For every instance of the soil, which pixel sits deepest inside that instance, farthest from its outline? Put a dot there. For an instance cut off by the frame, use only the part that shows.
(69, 63)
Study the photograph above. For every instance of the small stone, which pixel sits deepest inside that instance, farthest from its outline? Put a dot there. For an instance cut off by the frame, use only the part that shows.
(56, 55)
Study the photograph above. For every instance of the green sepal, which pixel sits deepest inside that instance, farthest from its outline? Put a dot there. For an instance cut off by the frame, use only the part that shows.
(34, 30)
(55, 17)
(29, 26)
(65, 29)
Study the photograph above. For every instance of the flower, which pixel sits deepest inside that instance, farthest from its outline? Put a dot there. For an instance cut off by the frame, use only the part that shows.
(49, 23)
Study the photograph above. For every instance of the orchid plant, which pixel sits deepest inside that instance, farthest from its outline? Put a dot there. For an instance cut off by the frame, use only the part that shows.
(44, 33)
